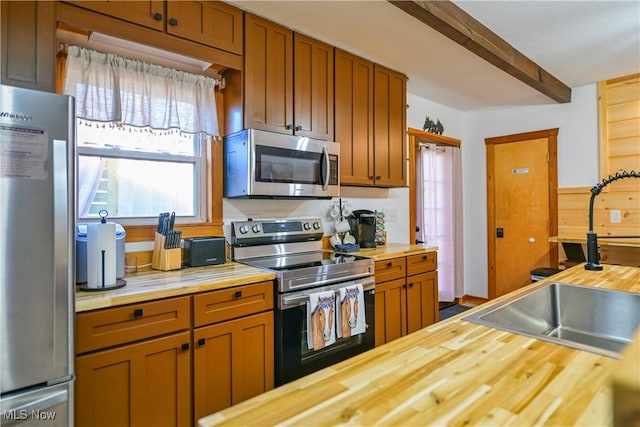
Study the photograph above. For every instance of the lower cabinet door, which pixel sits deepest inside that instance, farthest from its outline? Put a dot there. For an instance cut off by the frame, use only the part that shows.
(143, 384)
(233, 361)
(391, 320)
(422, 301)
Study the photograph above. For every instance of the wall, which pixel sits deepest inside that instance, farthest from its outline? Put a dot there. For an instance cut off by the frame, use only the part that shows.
(577, 163)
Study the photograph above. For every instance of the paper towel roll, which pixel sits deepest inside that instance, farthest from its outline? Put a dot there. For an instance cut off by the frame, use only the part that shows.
(101, 255)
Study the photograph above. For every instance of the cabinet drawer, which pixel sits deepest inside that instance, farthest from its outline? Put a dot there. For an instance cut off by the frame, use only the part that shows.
(119, 325)
(422, 263)
(390, 269)
(225, 304)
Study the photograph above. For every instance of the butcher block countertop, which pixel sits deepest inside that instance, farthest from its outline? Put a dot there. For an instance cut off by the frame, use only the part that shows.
(150, 285)
(453, 373)
(394, 250)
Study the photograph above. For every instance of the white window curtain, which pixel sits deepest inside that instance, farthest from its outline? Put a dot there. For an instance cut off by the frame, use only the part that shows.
(439, 213)
(110, 88)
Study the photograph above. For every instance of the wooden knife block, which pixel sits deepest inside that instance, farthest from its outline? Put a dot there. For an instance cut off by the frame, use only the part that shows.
(165, 259)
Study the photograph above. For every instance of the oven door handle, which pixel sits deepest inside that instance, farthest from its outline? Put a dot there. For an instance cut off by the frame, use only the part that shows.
(296, 299)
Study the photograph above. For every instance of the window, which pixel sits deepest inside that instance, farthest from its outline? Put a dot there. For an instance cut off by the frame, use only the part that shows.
(135, 173)
(142, 137)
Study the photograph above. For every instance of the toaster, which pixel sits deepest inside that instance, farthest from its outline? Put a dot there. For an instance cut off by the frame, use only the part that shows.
(209, 250)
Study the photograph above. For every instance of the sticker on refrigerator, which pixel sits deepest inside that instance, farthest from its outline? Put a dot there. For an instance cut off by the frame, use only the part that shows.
(23, 152)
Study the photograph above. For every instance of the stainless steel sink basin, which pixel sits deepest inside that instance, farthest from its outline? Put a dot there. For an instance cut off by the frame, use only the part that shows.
(597, 320)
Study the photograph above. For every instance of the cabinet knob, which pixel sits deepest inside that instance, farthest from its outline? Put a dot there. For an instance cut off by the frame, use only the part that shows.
(138, 313)
(298, 127)
(288, 127)
(378, 177)
(238, 294)
(389, 264)
(201, 341)
(173, 21)
(185, 346)
(424, 257)
(410, 285)
(157, 16)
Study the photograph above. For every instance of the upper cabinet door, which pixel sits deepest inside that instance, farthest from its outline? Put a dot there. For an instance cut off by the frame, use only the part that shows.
(212, 23)
(149, 13)
(354, 118)
(313, 88)
(28, 44)
(390, 89)
(268, 100)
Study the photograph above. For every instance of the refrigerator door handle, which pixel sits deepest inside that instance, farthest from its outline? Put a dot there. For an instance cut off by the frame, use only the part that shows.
(20, 412)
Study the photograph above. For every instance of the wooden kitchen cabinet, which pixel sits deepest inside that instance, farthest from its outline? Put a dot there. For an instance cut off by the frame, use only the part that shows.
(148, 13)
(370, 123)
(27, 44)
(233, 346)
(354, 118)
(406, 295)
(389, 133)
(287, 82)
(140, 374)
(211, 23)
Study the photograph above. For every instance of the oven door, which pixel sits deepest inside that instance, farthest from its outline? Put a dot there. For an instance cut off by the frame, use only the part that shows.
(294, 359)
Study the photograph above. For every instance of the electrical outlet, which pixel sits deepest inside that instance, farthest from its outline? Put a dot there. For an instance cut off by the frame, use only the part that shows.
(614, 217)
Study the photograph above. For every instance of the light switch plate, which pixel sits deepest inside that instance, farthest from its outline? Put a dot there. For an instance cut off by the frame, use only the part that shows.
(614, 217)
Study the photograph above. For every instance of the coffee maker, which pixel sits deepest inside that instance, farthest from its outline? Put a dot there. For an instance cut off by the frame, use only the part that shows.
(363, 227)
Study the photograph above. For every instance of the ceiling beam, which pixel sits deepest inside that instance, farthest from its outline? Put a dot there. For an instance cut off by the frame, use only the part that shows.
(453, 22)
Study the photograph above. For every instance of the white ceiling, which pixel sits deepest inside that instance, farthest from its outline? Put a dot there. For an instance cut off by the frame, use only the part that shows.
(579, 42)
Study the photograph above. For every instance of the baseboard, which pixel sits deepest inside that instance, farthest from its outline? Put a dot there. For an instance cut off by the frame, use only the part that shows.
(471, 300)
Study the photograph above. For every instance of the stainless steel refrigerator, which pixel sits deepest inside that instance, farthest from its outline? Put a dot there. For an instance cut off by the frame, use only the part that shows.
(36, 257)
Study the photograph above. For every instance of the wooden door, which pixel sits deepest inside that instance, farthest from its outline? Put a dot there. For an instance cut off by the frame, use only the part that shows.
(422, 301)
(313, 88)
(142, 384)
(27, 44)
(233, 361)
(149, 13)
(522, 208)
(212, 23)
(268, 76)
(354, 118)
(391, 310)
(390, 159)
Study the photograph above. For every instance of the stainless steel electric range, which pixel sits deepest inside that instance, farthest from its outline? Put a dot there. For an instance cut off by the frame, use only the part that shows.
(292, 249)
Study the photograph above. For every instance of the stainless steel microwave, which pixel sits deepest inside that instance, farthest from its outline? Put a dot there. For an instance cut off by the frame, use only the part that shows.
(267, 164)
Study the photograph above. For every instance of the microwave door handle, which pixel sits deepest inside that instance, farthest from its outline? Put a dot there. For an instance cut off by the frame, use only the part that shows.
(325, 178)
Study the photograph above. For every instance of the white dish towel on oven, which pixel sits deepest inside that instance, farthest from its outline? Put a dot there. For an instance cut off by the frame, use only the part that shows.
(350, 311)
(321, 324)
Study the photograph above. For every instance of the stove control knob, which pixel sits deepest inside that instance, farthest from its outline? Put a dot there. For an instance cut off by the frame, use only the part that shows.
(255, 228)
(306, 226)
(244, 229)
(316, 225)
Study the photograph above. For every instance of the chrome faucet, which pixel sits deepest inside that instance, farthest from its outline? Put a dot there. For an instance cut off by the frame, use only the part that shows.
(593, 254)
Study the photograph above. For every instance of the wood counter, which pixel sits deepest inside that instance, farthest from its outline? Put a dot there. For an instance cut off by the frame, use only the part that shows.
(152, 285)
(394, 250)
(453, 373)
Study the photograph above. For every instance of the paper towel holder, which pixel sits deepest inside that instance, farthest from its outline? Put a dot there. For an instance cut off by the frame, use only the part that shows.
(119, 283)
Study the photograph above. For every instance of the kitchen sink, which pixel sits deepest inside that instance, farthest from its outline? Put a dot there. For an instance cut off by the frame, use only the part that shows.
(597, 320)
